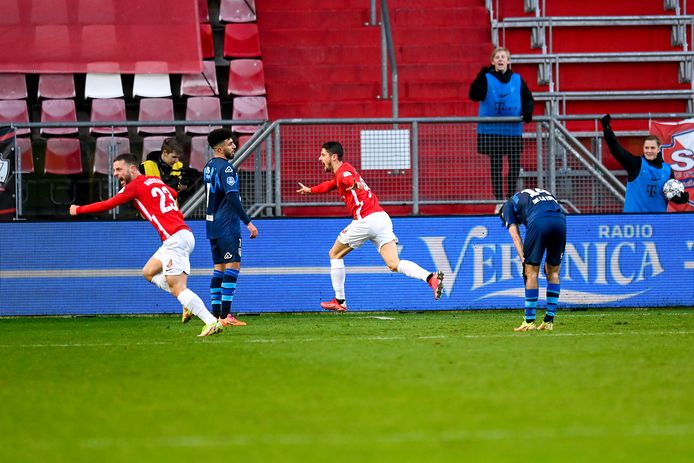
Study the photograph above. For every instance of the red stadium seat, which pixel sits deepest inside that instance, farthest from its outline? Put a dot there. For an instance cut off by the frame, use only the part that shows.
(102, 161)
(13, 86)
(248, 108)
(241, 41)
(246, 77)
(156, 109)
(103, 86)
(27, 155)
(63, 156)
(59, 86)
(200, 153)
(203, 11)
(206, 41)
(14, 111)
(237, 11)
(201, 84)
(150, 144)
(203, 108)
(58, 111)
(108, 110)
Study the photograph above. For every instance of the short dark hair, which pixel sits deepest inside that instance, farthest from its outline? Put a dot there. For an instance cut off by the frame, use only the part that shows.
(217, 136)
(652, 138)
(172, 145)
(334, 147)
(128, 158)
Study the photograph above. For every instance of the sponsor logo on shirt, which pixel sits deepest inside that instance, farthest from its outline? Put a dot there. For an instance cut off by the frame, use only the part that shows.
(231, 181)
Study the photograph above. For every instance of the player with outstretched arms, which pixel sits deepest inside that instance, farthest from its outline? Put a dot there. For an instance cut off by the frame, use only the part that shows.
(370, 223)
(545, 232)
(169, 267)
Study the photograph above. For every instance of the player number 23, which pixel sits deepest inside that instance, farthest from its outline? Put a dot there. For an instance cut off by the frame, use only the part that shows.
(166, 200)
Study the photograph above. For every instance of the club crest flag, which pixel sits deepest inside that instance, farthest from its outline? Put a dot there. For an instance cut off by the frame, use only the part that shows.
(677, 140)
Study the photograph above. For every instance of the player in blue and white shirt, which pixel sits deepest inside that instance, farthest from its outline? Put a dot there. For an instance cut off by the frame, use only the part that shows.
(223, 215)
(545, 233)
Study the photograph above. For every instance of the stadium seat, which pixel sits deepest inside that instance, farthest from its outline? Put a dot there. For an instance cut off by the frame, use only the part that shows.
(27, 155)
(246, 77)
(103, 86)
(58, 111)
(108, 110)
(156, 109)
(152, 86)
(241, 41)
(237, 11)
(206, 41)
(63, 156)
(201, 84)
(203, 108)
(14, 111)
(203, 11)
(200, 153)
(150, 144)
(60, 86)
(13, 86)
(102, 160)
(248, 108)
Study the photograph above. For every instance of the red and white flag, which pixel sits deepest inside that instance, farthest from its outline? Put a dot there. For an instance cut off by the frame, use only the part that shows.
(677, 140)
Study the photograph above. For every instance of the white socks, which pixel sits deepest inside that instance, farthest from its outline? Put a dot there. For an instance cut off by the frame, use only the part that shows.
(337, 275)
(159, 280)
(412, 270)
(189, 299)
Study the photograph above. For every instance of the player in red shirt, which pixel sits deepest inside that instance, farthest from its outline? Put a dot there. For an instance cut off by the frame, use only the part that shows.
(371, 223)
(169, 267)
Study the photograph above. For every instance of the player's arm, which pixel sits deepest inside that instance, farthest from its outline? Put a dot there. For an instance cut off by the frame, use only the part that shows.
(102, 206)
(324, 187)
(235, 201)
(517, 240)
(630, 163)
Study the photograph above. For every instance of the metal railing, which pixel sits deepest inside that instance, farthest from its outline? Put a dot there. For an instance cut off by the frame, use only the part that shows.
(387, 54)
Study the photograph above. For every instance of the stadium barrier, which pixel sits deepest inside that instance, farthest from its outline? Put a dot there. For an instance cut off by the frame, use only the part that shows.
(86, 268)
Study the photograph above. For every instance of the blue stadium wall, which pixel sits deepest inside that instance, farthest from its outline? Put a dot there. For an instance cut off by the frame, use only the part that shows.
(75, 267)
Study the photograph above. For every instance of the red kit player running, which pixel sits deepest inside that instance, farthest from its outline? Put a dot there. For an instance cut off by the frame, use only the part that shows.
(169, 267)
(371, 223)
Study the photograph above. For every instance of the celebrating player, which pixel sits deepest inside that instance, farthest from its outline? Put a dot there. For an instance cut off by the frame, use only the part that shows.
(371, 223)
(545, 231)
(169, 267)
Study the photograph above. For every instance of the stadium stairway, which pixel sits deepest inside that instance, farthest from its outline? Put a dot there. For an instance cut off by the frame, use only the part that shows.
(322, 59)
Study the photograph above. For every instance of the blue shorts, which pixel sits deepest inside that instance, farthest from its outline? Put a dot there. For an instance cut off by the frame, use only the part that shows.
(546, 233)
(226, 249)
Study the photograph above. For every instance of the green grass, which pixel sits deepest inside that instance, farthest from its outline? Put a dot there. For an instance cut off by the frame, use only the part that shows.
(604, 386)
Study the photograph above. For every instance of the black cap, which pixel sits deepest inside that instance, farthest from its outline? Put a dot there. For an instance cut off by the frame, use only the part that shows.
(217, 136)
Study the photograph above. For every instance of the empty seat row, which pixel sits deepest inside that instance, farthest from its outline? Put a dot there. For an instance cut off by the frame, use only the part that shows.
(246, 78)
(151, 110)
(230, 11)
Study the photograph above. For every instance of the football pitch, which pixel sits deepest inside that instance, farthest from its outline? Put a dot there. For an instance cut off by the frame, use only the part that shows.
(614, 385)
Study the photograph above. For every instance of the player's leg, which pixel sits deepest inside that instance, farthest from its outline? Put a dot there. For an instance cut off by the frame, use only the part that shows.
(153, 271)
(556, 242)
(533, 252)
(217, 277)
(337, 273)
(228, 264)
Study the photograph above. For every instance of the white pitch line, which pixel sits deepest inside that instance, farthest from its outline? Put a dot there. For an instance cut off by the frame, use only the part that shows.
(356, 439)
(232, 340)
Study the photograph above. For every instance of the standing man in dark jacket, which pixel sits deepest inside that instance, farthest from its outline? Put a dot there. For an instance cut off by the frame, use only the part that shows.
(502, 93)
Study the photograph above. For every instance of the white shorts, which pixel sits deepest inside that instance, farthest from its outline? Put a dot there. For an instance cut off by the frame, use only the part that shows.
(376, 227)
(174, 253)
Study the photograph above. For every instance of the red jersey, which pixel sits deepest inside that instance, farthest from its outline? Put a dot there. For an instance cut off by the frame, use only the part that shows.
(361, 202)
(154, 200)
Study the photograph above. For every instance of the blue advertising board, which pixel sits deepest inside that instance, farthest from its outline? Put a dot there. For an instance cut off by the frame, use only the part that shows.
(622, 260)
